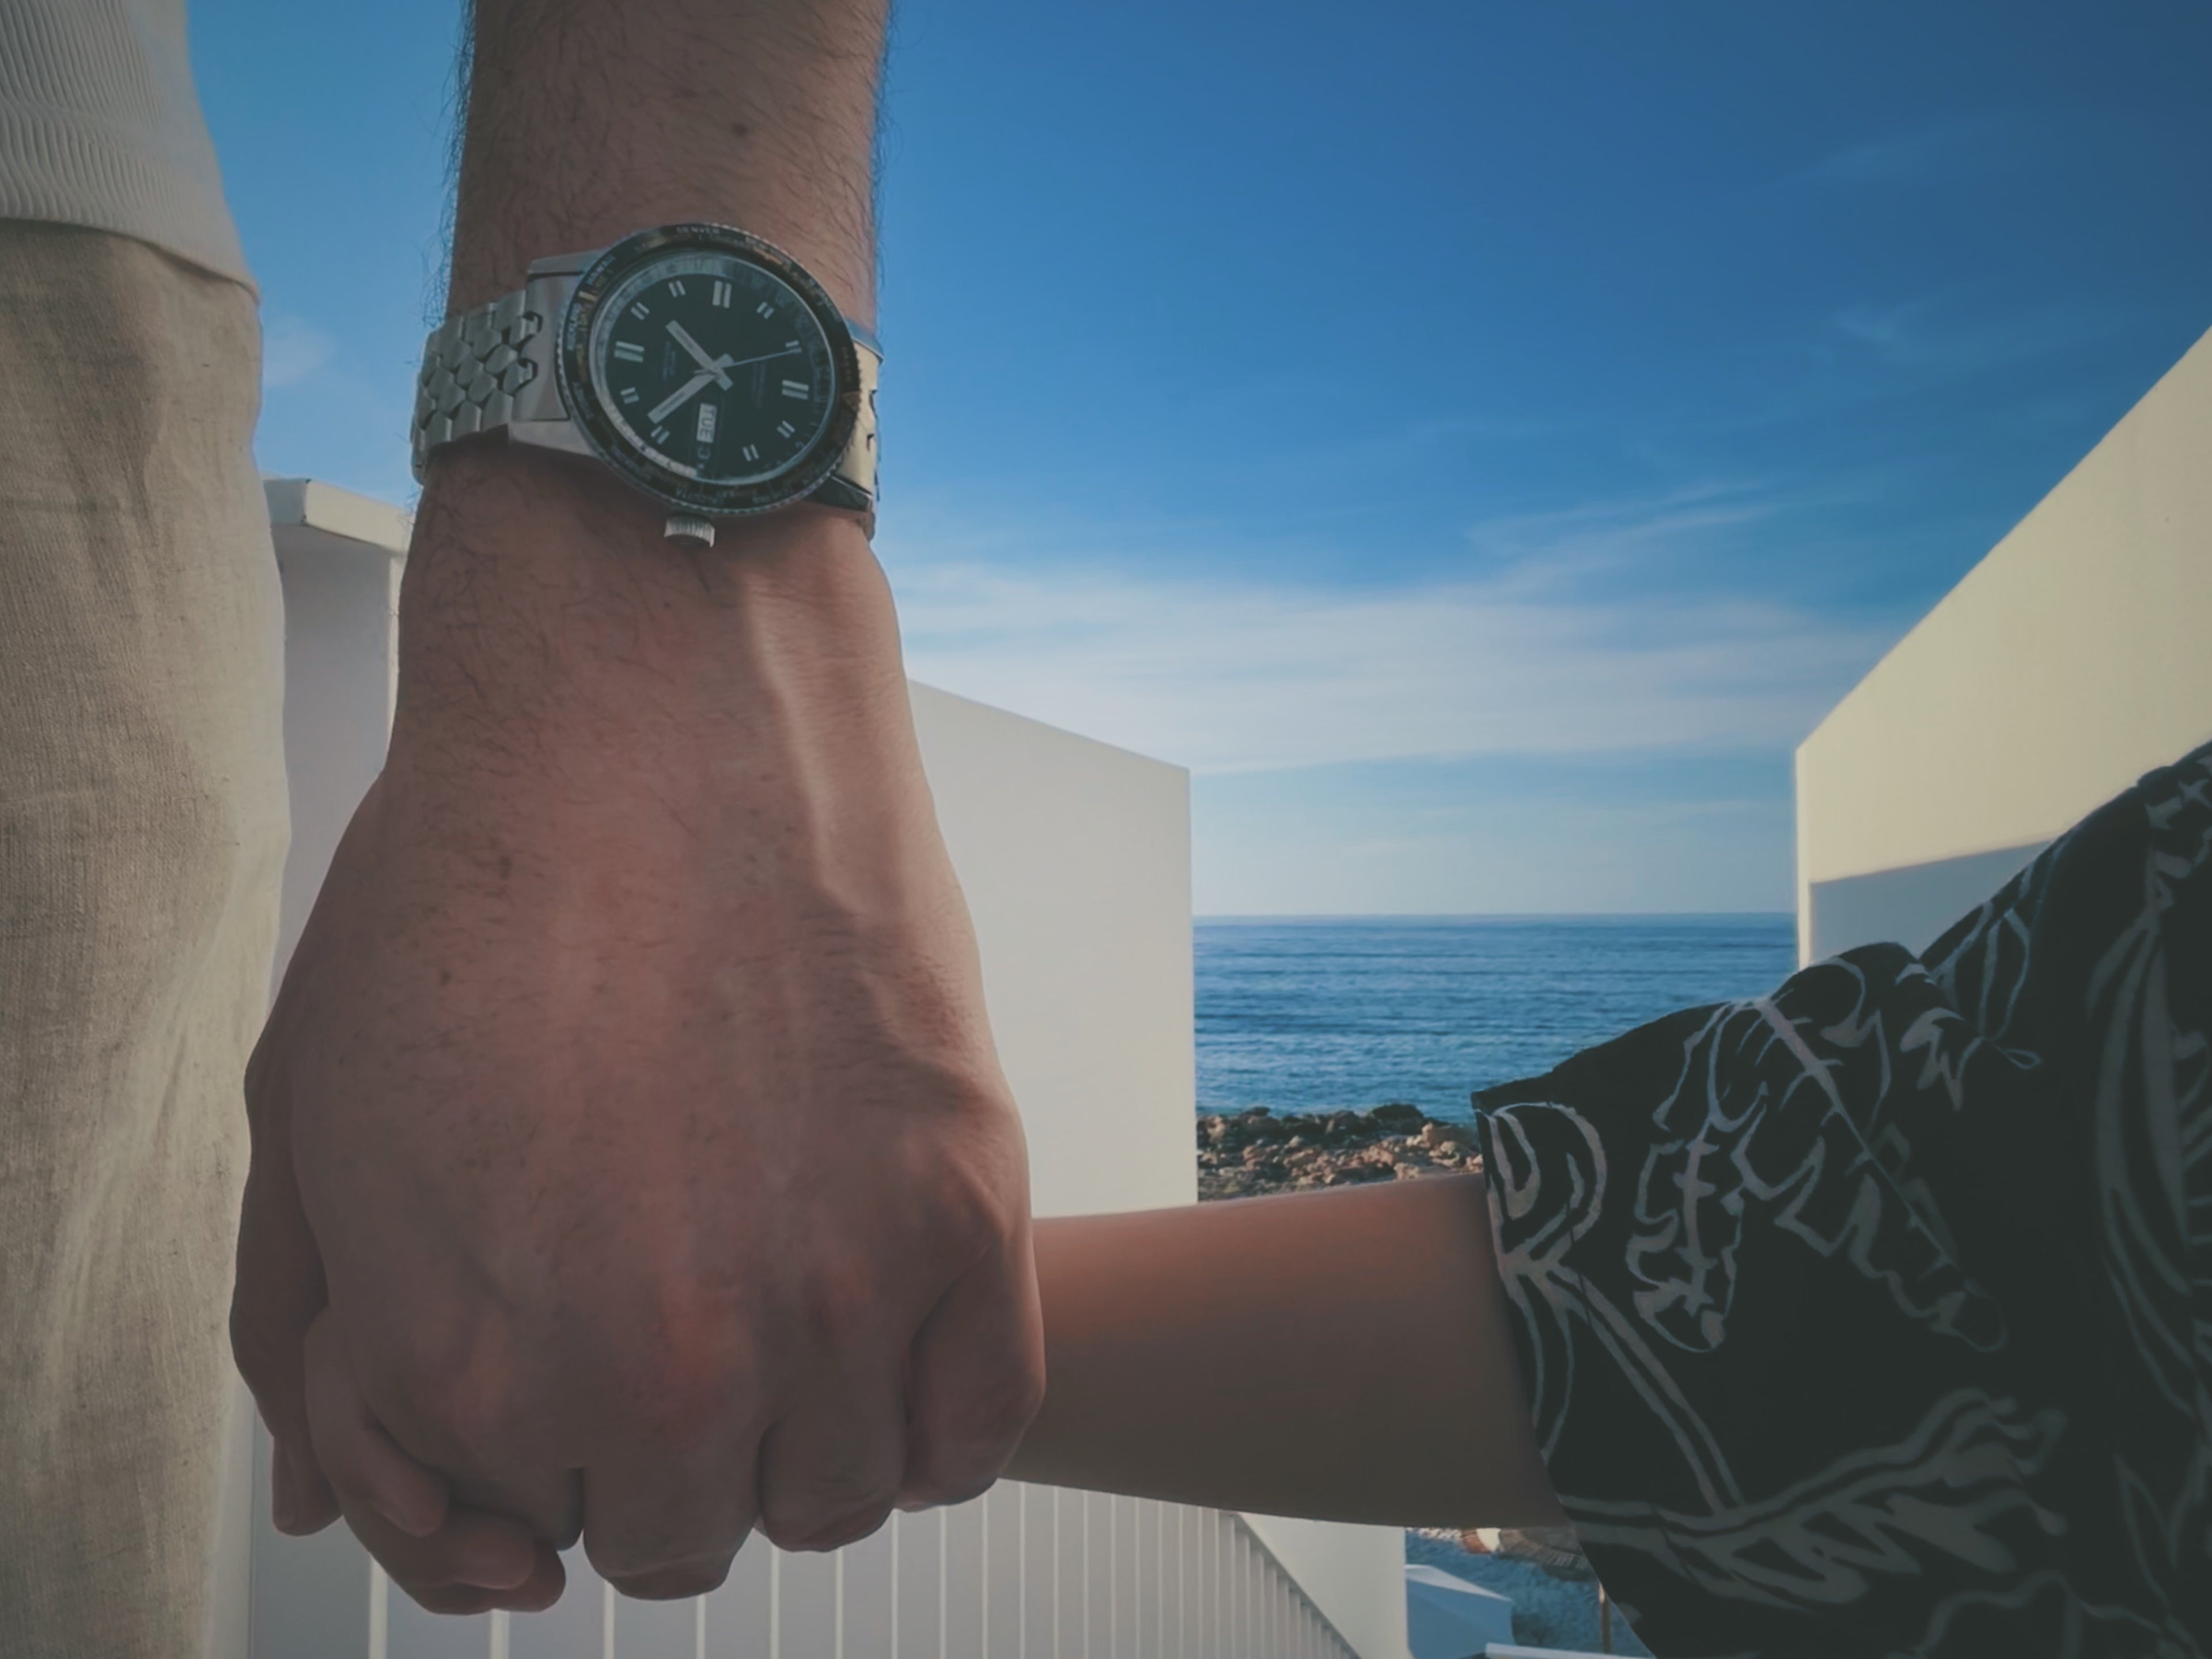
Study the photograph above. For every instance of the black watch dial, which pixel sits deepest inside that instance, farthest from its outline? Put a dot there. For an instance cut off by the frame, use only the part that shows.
(714, 373)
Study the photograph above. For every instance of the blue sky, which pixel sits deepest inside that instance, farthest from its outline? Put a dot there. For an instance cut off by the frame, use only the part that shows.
(1480, 439)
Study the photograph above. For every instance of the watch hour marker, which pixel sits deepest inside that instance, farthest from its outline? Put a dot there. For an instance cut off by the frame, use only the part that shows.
(752, 452)
(720, 294)
(629, 352)
(798, 389)
(641, 309)
(764, 309)
(627, 394)
(708, 415)
(784, 428)
(660, 434)
(676, 287)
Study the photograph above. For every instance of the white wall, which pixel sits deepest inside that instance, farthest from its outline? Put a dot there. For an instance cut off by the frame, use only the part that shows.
(2076, 656)
(1075, 859)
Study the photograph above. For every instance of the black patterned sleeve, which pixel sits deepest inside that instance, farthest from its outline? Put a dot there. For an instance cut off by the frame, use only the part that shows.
(1875, 1316)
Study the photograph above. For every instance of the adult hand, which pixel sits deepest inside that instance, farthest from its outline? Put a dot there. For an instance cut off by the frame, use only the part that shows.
(640, 1101)
(451, 1559)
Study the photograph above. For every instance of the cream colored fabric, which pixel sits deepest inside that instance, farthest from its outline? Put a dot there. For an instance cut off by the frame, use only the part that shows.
(100, 125)
(142, 837)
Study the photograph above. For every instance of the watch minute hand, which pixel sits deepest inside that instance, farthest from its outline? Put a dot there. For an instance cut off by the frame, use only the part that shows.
(712, 366)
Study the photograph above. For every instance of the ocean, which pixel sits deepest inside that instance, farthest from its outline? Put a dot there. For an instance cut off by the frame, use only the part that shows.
(1316, 1014)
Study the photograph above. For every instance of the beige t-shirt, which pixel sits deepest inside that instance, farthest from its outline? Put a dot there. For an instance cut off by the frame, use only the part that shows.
(100, 125)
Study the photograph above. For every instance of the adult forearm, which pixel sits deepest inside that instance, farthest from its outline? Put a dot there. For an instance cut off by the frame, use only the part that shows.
(542, 596)
(1341, 1355)
(589, 118)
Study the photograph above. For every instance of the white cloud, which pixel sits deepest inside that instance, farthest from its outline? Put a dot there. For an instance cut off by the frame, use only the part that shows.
(1942, 336)
(1551, 653)
(1956, 148)
(292, 349)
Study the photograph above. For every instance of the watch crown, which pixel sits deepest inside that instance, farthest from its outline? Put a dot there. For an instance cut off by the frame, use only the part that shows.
(699, 529)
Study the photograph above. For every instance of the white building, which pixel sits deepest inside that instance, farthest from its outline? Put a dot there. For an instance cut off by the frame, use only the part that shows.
(2075, 657)
(1075, 857)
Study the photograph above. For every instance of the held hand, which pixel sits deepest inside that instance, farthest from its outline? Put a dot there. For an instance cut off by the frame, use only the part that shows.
(642, 1103)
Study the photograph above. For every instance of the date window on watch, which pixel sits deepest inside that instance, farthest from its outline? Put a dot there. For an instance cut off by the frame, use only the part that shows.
(708, 415)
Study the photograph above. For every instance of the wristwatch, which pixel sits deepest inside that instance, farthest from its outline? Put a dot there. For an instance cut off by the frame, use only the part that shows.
(704, 365)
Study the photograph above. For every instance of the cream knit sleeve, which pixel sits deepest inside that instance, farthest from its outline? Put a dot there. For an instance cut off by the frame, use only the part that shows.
(100, 125)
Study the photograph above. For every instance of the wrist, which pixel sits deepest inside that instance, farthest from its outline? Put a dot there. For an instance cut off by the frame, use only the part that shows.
(543, 604)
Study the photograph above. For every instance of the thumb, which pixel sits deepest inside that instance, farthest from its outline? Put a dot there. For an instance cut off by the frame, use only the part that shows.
(278, 1291)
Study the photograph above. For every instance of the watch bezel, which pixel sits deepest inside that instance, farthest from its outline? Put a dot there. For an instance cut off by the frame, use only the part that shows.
(572, 364)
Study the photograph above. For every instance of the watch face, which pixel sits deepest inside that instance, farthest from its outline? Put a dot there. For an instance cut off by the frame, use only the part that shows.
(710, 372)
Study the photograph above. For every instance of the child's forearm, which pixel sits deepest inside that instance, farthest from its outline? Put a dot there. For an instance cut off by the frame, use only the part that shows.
(1341, 1355)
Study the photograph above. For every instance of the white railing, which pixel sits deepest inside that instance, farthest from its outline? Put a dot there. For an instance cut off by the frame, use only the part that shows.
(1027, 1572)
(1075, 859)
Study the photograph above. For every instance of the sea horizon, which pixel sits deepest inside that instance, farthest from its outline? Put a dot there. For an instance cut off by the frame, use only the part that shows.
(1234, 916)
(1345, 1012)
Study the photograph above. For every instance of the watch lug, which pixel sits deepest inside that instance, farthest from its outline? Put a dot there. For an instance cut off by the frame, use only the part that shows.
(564, 264)
(845, 496)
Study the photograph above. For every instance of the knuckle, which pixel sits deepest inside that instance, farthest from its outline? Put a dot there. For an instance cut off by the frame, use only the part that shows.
(984, 1422)
(654, 1568)
(963, 1458)
(829, 1525)
(828, 1507)
(942, 1488)
(671, 1583)
(949, 1471)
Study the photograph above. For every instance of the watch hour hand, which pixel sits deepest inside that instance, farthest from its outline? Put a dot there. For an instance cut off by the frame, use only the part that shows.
(712, 368)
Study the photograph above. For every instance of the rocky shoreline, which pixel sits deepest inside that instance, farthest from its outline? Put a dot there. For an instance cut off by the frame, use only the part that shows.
(1241, 1154)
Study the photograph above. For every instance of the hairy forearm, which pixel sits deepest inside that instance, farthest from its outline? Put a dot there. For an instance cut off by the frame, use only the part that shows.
(1341, 1355)
(541, 595)
(586, 697)
(589, 118)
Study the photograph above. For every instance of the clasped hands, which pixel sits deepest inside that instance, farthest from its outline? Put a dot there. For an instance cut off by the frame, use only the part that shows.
(630, 1157)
